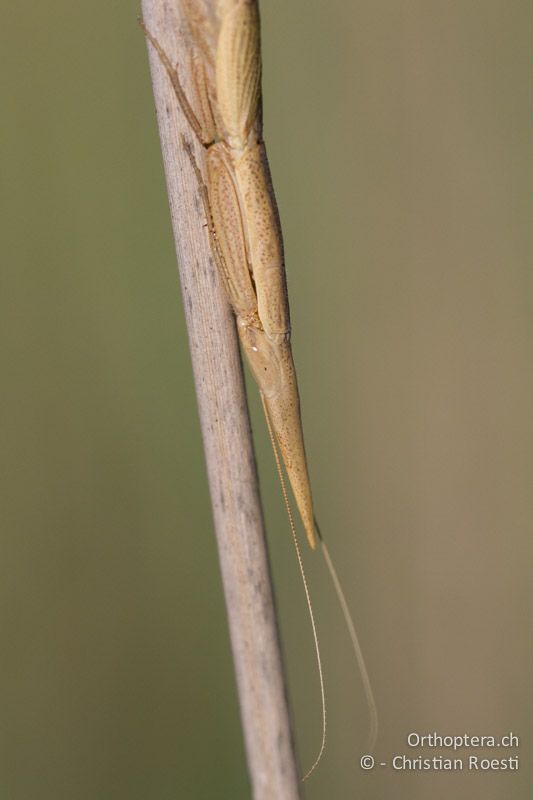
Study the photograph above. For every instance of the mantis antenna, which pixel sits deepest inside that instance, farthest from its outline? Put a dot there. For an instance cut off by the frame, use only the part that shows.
(356, 646)
(306, 589)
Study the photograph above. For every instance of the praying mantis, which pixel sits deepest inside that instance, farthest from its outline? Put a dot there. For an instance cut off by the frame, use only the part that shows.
(242, 215)
(224, 114)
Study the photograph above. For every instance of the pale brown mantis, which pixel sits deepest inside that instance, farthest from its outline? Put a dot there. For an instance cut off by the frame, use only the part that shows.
(245, 234)
(242, 215)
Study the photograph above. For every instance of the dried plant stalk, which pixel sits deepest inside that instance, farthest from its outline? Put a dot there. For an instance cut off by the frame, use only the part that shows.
(226, 434)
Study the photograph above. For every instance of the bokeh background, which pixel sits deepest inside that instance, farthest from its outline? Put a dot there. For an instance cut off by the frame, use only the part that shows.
(400, 138)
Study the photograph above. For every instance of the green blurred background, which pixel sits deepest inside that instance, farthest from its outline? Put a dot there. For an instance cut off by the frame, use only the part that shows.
(400, 140)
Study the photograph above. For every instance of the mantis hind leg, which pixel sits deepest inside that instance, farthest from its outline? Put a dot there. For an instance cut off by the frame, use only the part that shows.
(215, 245)
(204, 129)
(227, 232)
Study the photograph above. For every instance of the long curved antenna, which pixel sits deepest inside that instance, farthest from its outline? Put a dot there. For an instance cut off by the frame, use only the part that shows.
(367, 686)
(306, 588)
